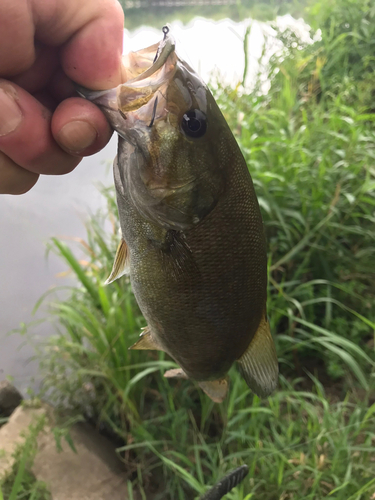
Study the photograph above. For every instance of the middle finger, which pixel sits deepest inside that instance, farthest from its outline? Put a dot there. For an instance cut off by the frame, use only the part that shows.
(25, 133)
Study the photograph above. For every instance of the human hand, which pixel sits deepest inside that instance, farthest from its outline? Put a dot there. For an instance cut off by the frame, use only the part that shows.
(44, 46)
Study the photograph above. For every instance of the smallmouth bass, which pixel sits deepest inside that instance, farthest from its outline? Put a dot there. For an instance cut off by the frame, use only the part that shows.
(192, 232)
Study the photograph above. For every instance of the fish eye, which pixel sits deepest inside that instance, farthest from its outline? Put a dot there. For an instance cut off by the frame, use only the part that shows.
(194, 123)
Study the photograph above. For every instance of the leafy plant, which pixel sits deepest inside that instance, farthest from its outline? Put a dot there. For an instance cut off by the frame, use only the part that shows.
(21, 483)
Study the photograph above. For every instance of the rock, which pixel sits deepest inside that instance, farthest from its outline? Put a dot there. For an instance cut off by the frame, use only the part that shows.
(13, 434)
(93, 473)
(10, 398)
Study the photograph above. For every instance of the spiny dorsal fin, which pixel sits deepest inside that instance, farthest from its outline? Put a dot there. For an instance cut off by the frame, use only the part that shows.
(258, 365)
(121, 263)
(146, 342)
(217, 390)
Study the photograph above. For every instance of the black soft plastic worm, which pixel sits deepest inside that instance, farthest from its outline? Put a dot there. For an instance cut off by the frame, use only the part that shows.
(226, 484)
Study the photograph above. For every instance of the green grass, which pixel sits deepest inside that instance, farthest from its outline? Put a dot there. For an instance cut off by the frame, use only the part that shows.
(21, 484)
(296, 444)
(310, 147)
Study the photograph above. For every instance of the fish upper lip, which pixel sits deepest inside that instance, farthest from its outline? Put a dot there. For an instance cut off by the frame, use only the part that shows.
(166, 47)
(138, 93)
(109, 99)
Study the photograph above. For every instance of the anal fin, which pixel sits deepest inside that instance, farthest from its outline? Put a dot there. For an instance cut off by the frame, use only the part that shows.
(146, 342)
(121, 263)
(258, 365)
(216, 390)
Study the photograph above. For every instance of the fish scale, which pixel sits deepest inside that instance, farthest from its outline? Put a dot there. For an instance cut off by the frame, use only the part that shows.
(210, 305)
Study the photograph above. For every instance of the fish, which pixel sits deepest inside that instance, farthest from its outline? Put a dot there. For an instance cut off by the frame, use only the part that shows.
(193, 241)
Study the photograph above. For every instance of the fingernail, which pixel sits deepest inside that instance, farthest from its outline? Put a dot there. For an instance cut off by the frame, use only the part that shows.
(77, 136)
(10, 113)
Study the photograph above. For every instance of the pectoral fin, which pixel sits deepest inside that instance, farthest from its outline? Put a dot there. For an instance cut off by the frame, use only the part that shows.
(121, 263)
(258, 365)
(146, 342)
(215, 389)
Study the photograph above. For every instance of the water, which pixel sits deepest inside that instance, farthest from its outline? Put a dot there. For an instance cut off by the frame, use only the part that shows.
(58, 206)
(216, 48)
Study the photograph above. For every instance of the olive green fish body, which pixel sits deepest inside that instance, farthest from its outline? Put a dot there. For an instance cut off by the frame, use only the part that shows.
(202, 291)
(193, 236)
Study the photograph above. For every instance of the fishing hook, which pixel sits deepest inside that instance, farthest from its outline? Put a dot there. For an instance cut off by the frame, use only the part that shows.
(153, 112)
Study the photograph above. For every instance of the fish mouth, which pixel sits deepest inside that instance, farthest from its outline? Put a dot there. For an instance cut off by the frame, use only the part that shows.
(145, 73)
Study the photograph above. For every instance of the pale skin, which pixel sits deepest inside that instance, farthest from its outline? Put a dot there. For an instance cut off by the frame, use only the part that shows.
(44, 46)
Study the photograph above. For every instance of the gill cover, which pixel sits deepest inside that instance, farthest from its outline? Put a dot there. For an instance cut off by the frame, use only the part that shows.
(162, 113)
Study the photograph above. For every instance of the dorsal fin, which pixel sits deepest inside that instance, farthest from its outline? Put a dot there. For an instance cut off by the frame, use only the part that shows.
(121, 263)
(146, 342)
(258, 365)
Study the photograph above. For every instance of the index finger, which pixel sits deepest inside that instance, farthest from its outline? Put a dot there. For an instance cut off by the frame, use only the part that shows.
(89, 32)
(92, 56)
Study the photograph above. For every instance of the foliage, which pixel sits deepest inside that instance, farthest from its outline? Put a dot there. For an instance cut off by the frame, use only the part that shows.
(156, 14)
(347, 38)
(312, 161)
(310, 149)
(341, 62)
(21, 483)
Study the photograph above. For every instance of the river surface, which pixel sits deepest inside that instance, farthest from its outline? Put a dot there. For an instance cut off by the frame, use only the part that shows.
(58, 206)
